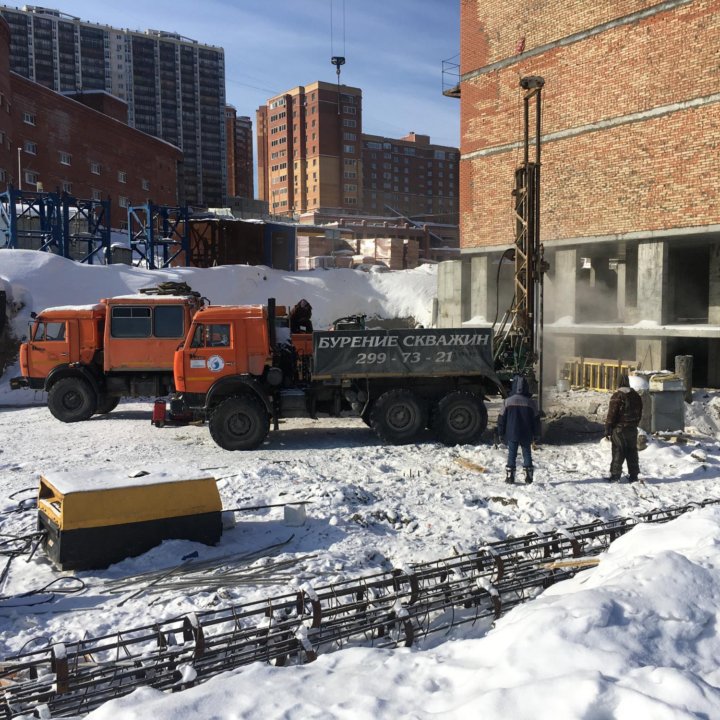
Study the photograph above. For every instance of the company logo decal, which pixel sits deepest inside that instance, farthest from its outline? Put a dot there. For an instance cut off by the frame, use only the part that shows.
(215, 363)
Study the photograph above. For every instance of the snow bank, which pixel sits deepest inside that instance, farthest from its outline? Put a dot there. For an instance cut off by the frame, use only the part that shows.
(35, 281)
(634, 638)
(40, 280)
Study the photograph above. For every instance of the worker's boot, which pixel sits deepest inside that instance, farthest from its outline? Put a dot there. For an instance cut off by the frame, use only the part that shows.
(614, 478)
(509, 475)
(529, 475)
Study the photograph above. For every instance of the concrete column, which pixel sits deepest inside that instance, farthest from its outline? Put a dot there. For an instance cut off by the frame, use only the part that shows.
(465, 291)
(653, 298)
(481, 304)
(448, 292)
(561, 286)
(714, 294)
(650, 353)
(621, 274)
(557, 350)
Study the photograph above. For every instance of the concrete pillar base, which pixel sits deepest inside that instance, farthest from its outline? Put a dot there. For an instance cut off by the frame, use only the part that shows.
(557, 351)
(650, 353)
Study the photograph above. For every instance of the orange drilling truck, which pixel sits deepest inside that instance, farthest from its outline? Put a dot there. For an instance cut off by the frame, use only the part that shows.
(236, 371)
(88, 357)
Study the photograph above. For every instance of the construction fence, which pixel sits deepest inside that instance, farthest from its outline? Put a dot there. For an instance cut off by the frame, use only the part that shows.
(595, 373)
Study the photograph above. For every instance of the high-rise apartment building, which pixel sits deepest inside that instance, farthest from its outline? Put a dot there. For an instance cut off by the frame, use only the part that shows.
(174, 86)
(238, 132)
(313, 154)
(309, 149)
(410, 176)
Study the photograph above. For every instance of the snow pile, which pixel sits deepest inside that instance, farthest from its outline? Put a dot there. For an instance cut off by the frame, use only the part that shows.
(703, 414)
(35, 280)
(634, 638)
(39, 280)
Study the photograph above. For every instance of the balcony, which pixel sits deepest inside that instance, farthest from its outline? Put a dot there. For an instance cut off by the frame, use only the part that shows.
(451, 77)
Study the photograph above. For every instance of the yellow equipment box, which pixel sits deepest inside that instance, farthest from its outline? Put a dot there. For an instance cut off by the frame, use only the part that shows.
(95, 518)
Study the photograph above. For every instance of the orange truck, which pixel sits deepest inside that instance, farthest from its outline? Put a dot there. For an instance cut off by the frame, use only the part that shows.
(88, 357)
(240, 372)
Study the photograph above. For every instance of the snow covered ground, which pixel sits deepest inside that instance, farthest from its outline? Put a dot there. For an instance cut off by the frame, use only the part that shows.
(634, 637)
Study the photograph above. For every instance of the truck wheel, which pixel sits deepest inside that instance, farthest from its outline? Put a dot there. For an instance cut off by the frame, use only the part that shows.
(239, 423)
(72, 399)
(398, 416)
(460, 418)
(106, 404)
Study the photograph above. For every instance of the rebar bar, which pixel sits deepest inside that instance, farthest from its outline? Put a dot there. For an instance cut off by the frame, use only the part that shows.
(384, 609)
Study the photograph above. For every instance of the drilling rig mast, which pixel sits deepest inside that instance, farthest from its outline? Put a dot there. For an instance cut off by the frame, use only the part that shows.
(518, 347)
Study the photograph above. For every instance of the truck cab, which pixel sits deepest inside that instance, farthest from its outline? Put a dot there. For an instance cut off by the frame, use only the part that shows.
(89, 356)
(223, 342)
(60, 336)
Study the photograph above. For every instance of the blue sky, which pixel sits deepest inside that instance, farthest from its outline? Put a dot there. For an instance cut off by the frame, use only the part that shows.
(394, 50)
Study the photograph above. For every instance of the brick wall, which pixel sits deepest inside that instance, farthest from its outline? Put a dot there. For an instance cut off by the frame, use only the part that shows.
(626, 152)
(64, 126)
(494, 30)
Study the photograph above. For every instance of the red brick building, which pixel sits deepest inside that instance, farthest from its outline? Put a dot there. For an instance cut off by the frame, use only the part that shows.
(309, 149)
(412, 176)
(238, 131)
(629, 213)
(61, 143)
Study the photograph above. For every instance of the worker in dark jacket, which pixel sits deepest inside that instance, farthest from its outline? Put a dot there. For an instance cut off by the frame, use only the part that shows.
(518, 426)
(300, 318)
(621, 428)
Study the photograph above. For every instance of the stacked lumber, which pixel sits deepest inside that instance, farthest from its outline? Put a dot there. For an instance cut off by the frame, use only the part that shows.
(310, 246)
(321, 252)
(396, 253)
(363, 260)
(313, 263)
(412, 253)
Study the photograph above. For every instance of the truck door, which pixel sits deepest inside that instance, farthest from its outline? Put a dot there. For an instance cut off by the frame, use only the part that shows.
(50, 346)
(211, 356)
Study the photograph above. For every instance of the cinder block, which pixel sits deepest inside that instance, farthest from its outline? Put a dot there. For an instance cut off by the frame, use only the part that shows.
(295, 515)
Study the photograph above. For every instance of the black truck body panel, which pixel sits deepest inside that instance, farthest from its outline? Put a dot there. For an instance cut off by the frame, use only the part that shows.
(403, 353)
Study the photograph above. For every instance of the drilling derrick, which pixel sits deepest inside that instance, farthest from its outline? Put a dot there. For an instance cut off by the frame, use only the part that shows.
(519, 338)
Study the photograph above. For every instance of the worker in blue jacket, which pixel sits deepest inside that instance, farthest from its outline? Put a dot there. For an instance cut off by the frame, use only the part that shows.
(519, 425)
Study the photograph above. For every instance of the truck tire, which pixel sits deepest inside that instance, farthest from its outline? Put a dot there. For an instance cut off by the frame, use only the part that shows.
(239, 423)
(106, 404)
(398, 416)
(72, 399)
(460, 418)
